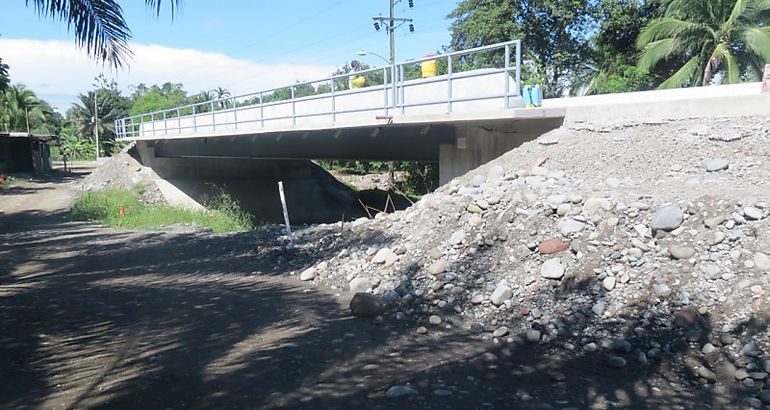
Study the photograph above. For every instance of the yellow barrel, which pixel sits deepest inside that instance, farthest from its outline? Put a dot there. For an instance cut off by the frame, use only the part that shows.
(357, 82)
(428, 68)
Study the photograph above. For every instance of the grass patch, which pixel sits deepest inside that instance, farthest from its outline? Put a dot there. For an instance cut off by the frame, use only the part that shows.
(223, 214)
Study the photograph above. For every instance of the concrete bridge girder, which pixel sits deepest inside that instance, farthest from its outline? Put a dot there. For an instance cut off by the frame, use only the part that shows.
(458, 146)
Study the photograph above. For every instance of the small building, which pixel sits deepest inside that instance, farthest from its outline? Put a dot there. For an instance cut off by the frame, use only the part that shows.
(22, 152)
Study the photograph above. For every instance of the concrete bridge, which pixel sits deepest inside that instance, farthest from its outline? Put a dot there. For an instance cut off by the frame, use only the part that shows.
(466, 116)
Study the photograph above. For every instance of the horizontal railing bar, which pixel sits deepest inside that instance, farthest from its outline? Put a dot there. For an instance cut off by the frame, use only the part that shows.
(393, 87)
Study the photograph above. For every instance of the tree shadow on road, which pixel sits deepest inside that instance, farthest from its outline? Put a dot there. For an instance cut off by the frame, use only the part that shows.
(97, 318)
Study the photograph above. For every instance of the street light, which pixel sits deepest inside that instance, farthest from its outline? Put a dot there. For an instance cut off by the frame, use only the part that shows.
(363, 53)
(392, 64)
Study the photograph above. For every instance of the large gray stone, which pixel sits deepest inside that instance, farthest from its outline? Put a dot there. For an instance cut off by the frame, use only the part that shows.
(570, 226)
(552, 269)
(681, 252)
(761, 262)
(438, 267)
(667, 218)
(359, 285)
(501, 294)
(385, 256)
(753, 213)
(457, 237)
(397, 392)
(307, 274)
(716, 164)
(366, 305)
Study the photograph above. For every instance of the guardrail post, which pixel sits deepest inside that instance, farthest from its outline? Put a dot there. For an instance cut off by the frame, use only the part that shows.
(178, 121)
(385, 90)
(165, 124)
(152, 120)
(262, 110)
(449, 83)
(518, 67)
(402, 94)
(334, 102)
(393, 75)
(235, 113)
(195, 121)
(293, 108)
(213, 117)
(507, 75)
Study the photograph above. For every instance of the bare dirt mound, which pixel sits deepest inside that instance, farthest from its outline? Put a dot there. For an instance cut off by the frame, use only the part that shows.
(125, 171)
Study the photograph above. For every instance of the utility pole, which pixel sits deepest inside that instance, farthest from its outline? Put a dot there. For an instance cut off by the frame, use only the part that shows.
(392, 33)
(391, 23)
(96, 125)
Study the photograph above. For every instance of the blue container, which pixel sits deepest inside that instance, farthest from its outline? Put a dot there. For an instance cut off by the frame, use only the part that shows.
(532, 96)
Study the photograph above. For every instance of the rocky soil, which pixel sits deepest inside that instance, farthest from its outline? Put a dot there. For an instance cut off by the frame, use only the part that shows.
(644, 243)
(124, 171)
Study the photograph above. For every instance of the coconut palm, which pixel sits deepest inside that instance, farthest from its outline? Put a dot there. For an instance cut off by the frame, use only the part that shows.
(4, 80)
(727, 41)
(110, 106)
(19, 104)
(220, 94)
(98, 25)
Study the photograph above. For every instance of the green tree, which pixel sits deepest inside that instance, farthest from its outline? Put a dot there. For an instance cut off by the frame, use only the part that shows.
(554, 34)
(18, 105)
(74, 147)
(98, 25)
(5, 81)
(614, 48)
(727, 41)
(106, 103)
(150, 99)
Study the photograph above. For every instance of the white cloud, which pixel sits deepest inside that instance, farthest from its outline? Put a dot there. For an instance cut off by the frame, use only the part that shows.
(57, 70)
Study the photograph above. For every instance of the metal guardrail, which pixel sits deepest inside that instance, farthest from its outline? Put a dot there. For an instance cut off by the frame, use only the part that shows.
(223, 114)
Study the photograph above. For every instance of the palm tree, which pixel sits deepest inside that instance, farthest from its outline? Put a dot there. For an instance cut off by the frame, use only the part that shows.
(98, 25)
(220, 94)
(109, 108)
(725, 40)
(4, 80)
(19, 104)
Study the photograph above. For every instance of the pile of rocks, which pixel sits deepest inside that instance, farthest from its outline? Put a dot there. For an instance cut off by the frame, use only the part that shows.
(124, 171)
(631, 240)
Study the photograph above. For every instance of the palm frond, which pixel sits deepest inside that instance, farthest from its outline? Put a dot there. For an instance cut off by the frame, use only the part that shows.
(738, 9)
(98, 25)
(758, 41)
(683, 75)
(732, 72)
(156, 5)
(668, 27)
(656, 51)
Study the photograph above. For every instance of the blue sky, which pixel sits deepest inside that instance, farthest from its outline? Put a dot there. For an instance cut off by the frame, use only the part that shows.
(239, 44)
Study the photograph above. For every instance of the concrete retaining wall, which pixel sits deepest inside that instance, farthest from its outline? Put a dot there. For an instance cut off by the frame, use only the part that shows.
(714, 101)
(312, 194)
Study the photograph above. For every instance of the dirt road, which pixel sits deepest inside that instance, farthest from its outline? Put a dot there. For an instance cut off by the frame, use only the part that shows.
(98, 318)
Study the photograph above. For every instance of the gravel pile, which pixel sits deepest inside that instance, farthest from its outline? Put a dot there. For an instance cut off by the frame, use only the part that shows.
(635, 241)
(124, 171)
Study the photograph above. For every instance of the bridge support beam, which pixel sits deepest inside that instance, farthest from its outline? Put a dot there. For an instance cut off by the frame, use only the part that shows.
(477, 144)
